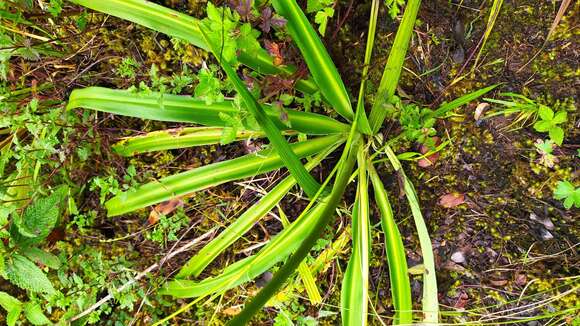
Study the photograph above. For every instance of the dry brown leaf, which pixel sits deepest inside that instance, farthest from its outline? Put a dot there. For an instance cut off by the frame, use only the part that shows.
(479, 110)
(165, 208)
(451, 200)
(232, 311)
(431, 159)
(498, 282)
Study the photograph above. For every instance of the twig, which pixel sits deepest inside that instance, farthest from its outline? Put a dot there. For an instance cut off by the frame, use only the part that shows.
(143, 274)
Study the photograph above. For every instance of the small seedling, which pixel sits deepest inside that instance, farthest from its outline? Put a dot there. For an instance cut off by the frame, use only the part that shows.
(545, 149)
(549, 123)
(567, 192)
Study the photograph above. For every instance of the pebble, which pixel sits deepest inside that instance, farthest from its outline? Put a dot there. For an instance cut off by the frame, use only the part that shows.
(458, 257)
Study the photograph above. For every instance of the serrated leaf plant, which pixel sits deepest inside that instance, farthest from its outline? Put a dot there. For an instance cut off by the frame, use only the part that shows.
(349, 131)
(570, 195)
(549, 122)
(19, 258)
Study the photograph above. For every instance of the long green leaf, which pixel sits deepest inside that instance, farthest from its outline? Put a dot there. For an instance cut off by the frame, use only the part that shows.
(210, 175)
(249, 268)
(446, 107)
(176, 108)
(355, 284)
(396, 257)
(304, 271)
(279, 143)
(184, 27)
(394, 65)
(430, 297)
(242, 224)
(345, 167)
(317, 58)
(177, 138)
(363, 121)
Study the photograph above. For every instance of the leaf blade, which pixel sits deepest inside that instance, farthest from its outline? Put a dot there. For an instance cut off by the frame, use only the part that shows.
(210, 175)
(317, 58)
(396, 257)
(178, 108)
(394, 65)
(241, 225)
(430, 295)
(355, 285)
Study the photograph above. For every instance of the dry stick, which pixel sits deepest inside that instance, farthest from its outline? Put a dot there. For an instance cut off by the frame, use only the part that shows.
(143, 274)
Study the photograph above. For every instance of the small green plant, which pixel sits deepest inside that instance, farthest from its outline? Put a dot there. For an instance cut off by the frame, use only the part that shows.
(15, 307)
(127, 68)
(543, 118)
(28, 230)
(549, 122)
(546, 148)
(394, 7)
(324, 11)
(418, 124)
(566, 191)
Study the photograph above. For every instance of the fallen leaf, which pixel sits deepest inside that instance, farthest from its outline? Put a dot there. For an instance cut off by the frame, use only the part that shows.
(165, 208)
(431, 159)
(451, 200)
(498, 282)
(521, 279)
(479, 110)
(232, 311)
(462, 300)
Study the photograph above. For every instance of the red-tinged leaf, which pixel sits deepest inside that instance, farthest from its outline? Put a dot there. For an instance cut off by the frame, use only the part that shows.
(165, 208)
(275, 51)
(451, 200)
(431, 159)
(461, 301)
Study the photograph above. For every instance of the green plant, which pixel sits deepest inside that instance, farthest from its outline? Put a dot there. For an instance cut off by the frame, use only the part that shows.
(324, 11)
(247, 116)
(546, 149)
(528, 111)
(127, 68)
(549, 122)
(567, 192)
(26, 231)
(15, 307)
(394, 7)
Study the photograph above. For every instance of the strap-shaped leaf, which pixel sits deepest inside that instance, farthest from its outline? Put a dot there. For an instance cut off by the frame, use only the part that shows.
(430, 297)
(177, 138)
(176, 108)
(355, 285)
(242, 224)
(249, 268)
(176, 24)
(396, 257)
(303, 270)
(345, 167)
(211, 175)
(317, 58)
(394, 65)
(291, 161)
(446, 107)
(363, 121)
